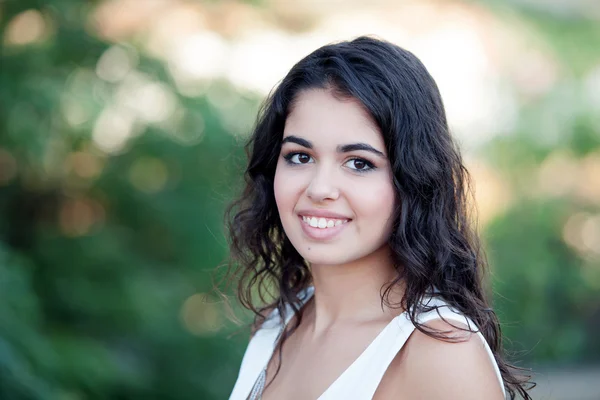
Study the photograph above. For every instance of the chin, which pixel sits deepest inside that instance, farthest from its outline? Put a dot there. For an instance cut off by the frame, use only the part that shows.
(323, 257)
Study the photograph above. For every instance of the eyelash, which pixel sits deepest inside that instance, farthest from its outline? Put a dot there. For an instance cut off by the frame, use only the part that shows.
(371, 167)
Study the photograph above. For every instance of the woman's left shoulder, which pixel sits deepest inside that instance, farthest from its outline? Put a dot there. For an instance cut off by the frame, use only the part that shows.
(430, 368)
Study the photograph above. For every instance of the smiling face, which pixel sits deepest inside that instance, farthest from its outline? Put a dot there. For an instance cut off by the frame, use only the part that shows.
(333, 182)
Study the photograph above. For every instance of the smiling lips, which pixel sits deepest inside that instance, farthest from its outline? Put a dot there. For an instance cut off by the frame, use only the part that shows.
(323, 223)
(321, 228)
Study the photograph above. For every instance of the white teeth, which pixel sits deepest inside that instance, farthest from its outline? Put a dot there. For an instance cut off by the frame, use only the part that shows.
(322, 223)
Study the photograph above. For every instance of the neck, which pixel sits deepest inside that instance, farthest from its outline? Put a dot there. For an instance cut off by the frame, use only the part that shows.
(351, 293)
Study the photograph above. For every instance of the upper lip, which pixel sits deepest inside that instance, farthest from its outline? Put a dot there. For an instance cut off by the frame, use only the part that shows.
(321, 214)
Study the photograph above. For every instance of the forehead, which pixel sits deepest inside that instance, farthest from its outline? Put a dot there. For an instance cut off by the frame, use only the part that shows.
(325, 120)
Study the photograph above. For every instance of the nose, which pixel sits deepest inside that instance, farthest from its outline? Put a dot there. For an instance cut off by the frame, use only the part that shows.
(323, 186)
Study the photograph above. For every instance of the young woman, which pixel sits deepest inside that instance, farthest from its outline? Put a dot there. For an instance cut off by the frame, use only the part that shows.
(354, 221)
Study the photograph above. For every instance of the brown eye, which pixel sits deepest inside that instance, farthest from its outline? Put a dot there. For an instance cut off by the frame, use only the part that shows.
(303, 158)
(360, 165)
(298, 158)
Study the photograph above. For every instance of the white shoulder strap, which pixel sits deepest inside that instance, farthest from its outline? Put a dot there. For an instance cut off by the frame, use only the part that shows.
(257, 355)
(260, 349)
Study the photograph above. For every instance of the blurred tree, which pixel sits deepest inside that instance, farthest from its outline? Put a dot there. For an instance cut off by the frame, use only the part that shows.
(111, 201)
(545, 249)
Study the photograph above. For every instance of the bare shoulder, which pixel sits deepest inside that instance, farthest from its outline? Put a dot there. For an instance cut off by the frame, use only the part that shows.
(429, 368)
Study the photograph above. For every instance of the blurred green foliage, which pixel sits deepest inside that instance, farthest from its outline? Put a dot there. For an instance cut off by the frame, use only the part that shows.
(99, 252)
(545, 248)
(106, 256)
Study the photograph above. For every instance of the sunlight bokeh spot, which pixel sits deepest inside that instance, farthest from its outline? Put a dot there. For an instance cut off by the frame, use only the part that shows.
(558, 173)
(84, 164)
(148, 175)
(112, 129)
(115, 63)
(78, 216)
(201, 315)
(25, 28)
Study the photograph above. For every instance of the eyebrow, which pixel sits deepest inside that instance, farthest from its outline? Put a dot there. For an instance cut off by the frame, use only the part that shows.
(345, 148)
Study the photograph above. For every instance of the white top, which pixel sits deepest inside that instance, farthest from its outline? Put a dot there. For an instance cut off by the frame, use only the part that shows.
(360, 380)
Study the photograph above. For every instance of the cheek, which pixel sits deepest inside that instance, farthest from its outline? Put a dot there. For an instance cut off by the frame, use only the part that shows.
(379, 215)
(376, 201)
(283, 188)
(389, 199)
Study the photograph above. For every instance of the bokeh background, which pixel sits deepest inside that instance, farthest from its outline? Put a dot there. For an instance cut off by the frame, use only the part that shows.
(121, 126)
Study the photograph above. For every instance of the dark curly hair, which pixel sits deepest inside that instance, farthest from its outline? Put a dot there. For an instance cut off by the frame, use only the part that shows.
(433, 240)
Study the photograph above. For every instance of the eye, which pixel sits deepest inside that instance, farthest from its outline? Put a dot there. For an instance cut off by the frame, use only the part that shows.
(360, 165)
(297, 158)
